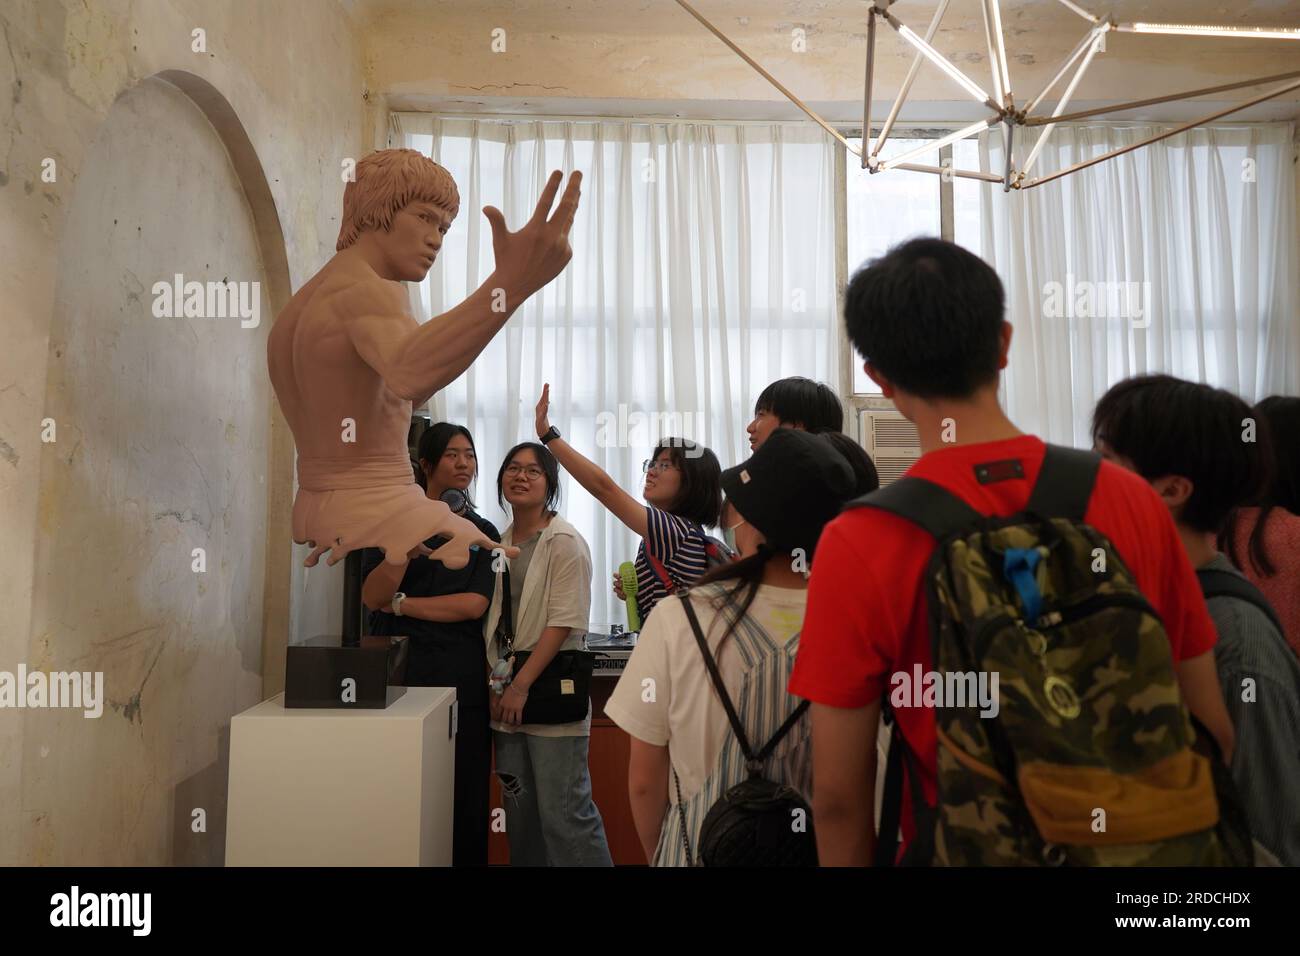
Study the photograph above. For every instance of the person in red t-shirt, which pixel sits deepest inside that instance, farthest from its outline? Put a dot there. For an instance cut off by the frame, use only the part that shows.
(928, 319)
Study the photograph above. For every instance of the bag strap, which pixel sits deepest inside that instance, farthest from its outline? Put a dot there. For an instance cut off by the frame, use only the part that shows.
(661, 572)
(505, 633)
(1063, 489)
(1217, 583)
(724, 554)
(922, 502)
(753, 761)
(1064, 483)
(681, 812)
(892, 804)
(900, 762)
(717, 550)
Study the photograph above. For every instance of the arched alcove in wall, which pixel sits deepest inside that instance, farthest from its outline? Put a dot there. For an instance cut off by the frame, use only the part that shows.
(266, 219)
(163, 545)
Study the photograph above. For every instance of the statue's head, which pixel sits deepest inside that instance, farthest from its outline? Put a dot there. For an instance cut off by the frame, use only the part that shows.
(402, 202)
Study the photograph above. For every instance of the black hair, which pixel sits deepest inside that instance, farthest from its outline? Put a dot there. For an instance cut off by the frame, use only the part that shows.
(1279, 415)
(434, 441)
(1282, 413)
(747, 572)
(699, 498)
(550, 468)
(1167, 426)
(928, 314)
(866, 478)
(801, 401)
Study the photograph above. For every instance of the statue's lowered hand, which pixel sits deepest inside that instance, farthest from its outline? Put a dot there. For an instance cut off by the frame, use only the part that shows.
(528, 259)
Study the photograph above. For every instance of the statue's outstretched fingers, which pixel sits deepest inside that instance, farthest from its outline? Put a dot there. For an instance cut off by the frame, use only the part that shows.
(497, 221)
(548, 196)
(487, 544)
(454, 554)
(568, 208)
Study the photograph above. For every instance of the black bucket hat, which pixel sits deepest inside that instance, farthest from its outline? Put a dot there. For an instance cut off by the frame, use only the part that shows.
(790, 488)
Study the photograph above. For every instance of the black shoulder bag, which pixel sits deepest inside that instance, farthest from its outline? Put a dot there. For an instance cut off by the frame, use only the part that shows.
(756, 822)
(561, 693)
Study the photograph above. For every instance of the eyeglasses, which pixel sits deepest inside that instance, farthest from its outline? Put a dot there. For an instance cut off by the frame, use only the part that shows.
(661, 466)
(531, 472)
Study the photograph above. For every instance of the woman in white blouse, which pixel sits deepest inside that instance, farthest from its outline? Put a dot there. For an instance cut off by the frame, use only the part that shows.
(551, 819)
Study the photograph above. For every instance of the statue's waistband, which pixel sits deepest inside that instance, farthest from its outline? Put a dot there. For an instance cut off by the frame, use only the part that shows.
(343, 474)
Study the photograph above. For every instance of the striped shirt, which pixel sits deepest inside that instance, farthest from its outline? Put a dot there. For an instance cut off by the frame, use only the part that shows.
(1255, 662)
(679, 545)
(685, 714)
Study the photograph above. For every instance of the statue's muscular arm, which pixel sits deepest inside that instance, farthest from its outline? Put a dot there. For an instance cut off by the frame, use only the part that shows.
(415, 360)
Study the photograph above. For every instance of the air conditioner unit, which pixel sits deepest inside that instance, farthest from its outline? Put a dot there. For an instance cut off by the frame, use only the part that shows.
(891, 440)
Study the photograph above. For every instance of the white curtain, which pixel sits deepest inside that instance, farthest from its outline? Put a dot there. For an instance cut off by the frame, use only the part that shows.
(1202, 224)
(703, 269)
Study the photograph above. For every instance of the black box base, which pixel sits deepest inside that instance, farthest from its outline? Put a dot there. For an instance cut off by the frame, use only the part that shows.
(316, 673)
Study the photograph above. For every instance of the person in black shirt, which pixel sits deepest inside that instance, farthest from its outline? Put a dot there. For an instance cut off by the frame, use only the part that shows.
(441, 611)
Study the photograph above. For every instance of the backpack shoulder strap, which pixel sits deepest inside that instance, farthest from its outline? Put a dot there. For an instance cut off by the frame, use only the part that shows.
(922, 502)
(1215, 583)
(776, 738)
(899, 763)
(716, 677)
(717, 550)
(1064, 483)
(661, 573)
(753, 761)
(891, 807)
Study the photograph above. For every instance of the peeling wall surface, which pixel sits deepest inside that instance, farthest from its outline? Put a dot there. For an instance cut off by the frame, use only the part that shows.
(163, 426)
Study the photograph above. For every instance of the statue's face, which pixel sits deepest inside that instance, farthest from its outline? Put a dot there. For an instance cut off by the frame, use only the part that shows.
(414, 240)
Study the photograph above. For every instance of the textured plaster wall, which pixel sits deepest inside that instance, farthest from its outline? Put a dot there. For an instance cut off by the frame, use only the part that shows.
(166, 436)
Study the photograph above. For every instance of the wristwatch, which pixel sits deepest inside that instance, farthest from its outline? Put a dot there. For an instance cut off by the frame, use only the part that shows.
(398, 598)
(551, 433)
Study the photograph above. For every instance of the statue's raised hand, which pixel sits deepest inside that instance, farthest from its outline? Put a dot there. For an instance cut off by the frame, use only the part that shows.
(528, 259)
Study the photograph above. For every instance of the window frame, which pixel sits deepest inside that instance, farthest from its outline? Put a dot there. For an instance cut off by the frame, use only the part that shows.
(857, 402)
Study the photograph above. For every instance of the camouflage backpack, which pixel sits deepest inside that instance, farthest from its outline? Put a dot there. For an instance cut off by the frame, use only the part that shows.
(1088, 757)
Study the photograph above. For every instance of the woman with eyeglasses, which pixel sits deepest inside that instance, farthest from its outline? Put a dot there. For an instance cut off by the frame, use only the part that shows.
(683, 496)
(551, 819)
(441, 611)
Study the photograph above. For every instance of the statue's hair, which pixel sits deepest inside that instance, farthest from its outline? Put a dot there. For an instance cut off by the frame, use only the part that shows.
(386, 181)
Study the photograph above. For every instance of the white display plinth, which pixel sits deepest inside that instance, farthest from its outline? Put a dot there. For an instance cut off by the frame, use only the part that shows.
(343, 787)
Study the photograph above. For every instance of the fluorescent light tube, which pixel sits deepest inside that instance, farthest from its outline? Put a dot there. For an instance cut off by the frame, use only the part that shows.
(1191, 29)
(937, 143)
(938, 59)
(1001, 65)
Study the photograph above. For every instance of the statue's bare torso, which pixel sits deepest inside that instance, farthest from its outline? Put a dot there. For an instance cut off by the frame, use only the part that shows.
(312, 334)
(356, 485)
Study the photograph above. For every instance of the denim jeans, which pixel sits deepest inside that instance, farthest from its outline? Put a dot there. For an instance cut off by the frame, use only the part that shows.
(551, 819)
